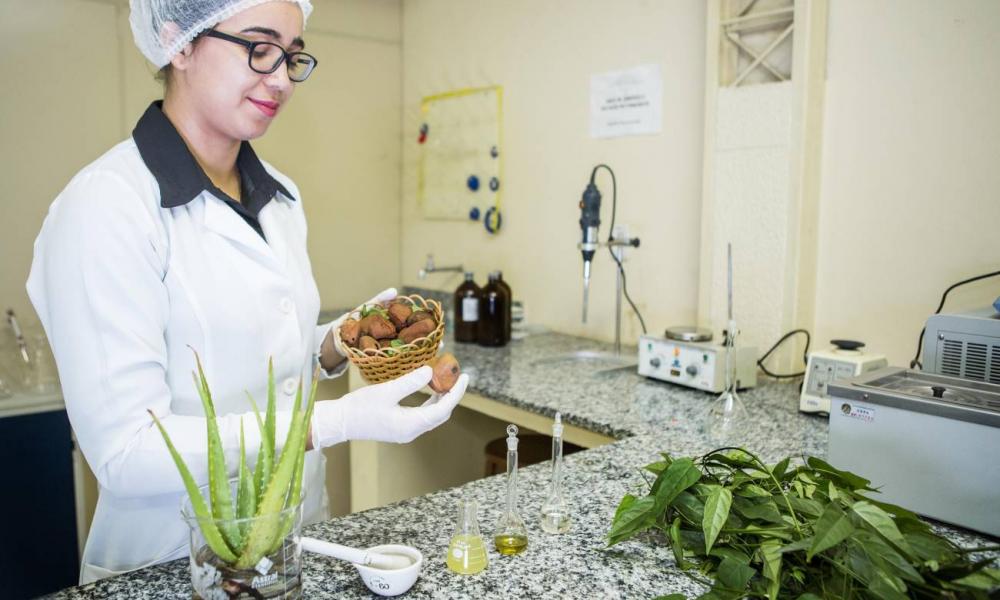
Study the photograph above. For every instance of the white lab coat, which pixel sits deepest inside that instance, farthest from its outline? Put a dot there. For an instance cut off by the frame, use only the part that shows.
(123, 287)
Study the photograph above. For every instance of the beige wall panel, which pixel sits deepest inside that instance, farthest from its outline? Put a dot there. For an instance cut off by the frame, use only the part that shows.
(910, 176)
(59, 111)
(544, 53)
(338, 140)
(368, 19)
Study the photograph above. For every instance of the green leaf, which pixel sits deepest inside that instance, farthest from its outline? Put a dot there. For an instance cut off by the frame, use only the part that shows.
(987, 580)
(832, 528)
(884, 588)
(672, 597)
(716, 513)
(657, 467)
(246, 495)
(902, 515)
(638, 516)
(808, 596)
(265, 457)
(676, 544)
(809, 508)
(886, 558)
(627, 501)
(690, 507)
(295, 494)
(797, 546)
(739, 556)
(679, 476)
(218, 475)
(929, 547)
(854, 482)
(734, 575)
(881, 522)
(779, 469)
(765, 511)
(213, 537)
(770, 552)
(753, 490)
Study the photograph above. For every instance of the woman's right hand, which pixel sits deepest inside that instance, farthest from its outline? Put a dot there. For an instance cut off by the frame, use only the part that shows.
(374, 413)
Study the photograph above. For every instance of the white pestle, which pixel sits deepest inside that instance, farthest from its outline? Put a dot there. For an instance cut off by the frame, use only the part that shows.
(388, 562)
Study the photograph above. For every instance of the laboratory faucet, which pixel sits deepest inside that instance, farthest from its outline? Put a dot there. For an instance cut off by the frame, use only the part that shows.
(431, 268)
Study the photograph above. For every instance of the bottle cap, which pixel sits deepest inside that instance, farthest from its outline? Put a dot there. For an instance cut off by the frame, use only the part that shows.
(470, 276)
(511, 437)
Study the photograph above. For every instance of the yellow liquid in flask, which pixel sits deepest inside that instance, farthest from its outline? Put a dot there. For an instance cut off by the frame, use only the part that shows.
(466, 554)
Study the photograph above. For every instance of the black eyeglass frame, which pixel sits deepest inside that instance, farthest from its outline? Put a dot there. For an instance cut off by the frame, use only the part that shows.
(286, 56)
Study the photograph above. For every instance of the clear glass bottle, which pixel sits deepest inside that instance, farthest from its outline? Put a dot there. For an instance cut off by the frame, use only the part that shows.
(555, 510)
(511, 537)
(466, 303)
(466, 550)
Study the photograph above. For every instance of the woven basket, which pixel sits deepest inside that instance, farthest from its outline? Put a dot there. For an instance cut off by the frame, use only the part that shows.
(384, 364)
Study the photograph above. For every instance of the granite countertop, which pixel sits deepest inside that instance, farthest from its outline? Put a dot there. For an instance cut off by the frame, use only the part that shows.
(645, 416)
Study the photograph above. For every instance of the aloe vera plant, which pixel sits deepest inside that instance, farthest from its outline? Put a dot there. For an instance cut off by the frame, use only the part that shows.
(243, 530)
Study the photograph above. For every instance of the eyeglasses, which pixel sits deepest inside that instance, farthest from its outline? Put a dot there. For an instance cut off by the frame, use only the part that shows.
(266, 57)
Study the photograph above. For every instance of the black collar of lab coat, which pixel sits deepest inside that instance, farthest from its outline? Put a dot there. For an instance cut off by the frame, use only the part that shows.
(181, 178)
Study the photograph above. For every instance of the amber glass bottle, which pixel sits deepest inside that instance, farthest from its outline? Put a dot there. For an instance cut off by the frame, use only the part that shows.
(466, 303)
(492, 308)
(510, 303)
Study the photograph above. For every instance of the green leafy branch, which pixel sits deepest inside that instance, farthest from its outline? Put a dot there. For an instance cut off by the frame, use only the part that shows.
(746, 529)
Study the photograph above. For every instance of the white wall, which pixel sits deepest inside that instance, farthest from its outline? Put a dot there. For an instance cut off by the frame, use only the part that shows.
(910, 195)
(543, 54)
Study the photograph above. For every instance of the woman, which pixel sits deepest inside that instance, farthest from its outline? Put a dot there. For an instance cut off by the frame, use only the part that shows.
(180, 238)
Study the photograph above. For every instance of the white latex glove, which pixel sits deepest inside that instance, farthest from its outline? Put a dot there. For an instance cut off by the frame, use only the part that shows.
(381, 297)
(374, 413)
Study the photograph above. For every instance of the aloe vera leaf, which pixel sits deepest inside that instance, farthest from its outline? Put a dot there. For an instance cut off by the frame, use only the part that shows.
(246, 495)
(218, 475)
(265, 456)
(295, 494)
(208, 528)
(269, 424)
(263, 530)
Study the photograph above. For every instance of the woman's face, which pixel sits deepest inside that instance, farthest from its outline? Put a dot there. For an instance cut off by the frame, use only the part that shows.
(232, 99)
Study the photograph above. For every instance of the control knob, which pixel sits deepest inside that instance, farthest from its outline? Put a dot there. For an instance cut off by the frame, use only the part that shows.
(692, 370)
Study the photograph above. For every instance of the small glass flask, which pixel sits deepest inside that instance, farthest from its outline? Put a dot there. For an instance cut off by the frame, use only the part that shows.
(511, 537)
(466, 550)
(555, 510)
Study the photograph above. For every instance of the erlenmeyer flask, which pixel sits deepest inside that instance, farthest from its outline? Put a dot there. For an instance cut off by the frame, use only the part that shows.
(466, 551)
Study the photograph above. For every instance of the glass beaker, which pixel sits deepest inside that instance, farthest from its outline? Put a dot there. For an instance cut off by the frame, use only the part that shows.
(40, 375)
(466, 550)
(276, 574)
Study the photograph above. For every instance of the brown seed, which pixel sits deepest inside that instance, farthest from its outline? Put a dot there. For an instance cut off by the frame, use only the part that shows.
(350, 331)
(419, 315)
(399, 312)
(378, 327)
(446, 372)
(418, 330)
(367, 342)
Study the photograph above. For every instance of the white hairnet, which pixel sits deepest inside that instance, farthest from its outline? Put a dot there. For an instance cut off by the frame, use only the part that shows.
(162, 28)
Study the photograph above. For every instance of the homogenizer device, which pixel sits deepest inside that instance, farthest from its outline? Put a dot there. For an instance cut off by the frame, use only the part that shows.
(687, 356)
